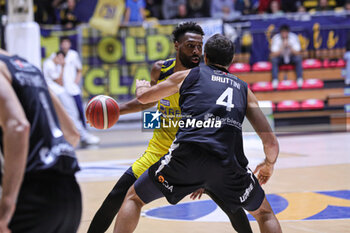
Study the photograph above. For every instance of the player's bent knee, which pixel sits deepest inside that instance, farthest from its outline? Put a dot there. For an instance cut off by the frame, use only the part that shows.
(132, 196)
(263, 212)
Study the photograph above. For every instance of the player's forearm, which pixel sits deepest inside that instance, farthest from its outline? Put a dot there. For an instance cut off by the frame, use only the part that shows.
(16, 144)
(134, 106)
(143, 95)
(271, 148)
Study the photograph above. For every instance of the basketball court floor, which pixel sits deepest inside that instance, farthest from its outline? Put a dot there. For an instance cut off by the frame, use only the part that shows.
(309, 190)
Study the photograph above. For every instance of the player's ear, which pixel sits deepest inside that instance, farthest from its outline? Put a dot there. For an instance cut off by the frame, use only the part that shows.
(205, 58)
(176, 45)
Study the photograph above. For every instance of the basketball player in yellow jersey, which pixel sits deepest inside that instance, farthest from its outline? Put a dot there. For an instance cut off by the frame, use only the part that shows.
(188, 42)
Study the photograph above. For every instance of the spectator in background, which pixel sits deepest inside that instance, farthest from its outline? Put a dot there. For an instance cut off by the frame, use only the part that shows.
(224, 9)
(134, 11)
(247, 7)
(154, 7)
(198, 8)
(2, 6)
(301, 8)
(67, 16)
(44, 12)
(289, 5)
(322, 6)
(275, 8)
(53, 69)
(347, 5)
(285, 49)
(264, 6)
(173, 9)
(71, 79)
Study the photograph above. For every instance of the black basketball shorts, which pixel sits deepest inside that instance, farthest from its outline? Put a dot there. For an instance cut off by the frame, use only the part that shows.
(47, 202)
(187, 167)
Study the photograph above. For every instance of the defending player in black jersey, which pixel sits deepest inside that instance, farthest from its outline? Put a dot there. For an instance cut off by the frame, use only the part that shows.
(188, 42)
(208, 149)
(39, 190)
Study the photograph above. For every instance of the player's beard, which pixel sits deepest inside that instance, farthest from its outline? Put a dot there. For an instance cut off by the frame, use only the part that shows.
(186, 61)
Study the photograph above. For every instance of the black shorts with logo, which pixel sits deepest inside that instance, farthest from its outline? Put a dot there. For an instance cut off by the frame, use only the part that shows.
(187, 167)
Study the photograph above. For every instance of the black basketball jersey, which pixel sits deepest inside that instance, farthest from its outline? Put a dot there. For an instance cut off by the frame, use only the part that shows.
(48, 150)
(213, 105)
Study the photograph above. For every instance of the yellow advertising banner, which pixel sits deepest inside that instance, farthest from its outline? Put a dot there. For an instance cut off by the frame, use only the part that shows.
(108, 16)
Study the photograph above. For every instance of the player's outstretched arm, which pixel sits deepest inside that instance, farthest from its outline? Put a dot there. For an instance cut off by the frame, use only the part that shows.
(15, 128)
(134, 105)
(147, 94)
(69, 130)
(258, 120)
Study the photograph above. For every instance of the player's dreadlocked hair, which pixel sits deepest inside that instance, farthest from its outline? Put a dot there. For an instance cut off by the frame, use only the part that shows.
(181, 29)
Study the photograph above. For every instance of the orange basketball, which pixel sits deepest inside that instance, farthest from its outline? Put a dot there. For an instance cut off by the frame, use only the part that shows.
(102, 112)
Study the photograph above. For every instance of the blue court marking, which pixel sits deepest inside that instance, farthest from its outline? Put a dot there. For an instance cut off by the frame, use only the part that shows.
(184, 211)
(195, 210)
(345, 194)
(332, 212)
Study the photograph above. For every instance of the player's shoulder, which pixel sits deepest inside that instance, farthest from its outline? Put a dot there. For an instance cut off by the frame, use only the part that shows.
(157, 66)
(169, 62)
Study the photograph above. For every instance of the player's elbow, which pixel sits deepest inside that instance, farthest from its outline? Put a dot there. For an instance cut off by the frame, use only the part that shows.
(24, 127)
(20, 127)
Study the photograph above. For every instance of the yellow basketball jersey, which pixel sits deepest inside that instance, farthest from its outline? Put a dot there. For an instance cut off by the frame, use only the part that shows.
(169, 107)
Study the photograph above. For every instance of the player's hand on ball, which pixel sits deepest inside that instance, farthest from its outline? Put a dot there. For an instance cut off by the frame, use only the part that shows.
(263, 172)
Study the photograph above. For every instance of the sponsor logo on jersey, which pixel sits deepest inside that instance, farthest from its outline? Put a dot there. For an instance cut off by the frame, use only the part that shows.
(165, 102)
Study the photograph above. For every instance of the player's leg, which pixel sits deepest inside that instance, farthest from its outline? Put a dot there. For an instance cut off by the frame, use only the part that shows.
(142, 192)
(238, 218)
(79, 104)
(266, 218)
(111, 205)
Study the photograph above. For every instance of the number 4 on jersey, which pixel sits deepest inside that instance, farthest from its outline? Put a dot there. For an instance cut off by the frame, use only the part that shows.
(221, 100)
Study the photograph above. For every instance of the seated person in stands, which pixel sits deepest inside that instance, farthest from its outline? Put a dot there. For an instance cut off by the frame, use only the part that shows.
(285, 49)
(322, 5)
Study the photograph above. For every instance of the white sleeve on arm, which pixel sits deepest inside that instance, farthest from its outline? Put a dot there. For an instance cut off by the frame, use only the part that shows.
(50, 71)
(276, 43)
(77, 62)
